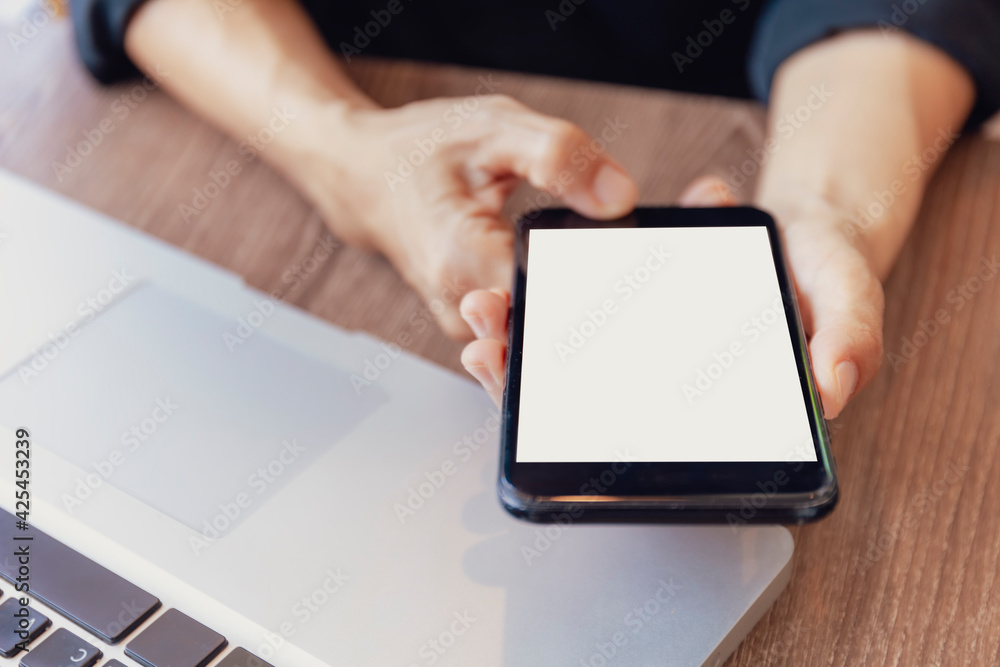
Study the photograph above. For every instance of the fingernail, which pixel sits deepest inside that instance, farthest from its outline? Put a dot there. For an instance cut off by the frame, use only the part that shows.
(476, 323)
(847, 379)
(483, 375)
(612, 187)
(498, 381)
(502, 293)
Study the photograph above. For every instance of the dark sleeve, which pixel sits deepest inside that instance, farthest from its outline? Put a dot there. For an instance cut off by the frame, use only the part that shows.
(100, 36)
(967, 30)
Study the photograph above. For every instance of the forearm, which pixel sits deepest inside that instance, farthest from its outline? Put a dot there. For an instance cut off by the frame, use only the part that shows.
(854, 120)
(238, 69)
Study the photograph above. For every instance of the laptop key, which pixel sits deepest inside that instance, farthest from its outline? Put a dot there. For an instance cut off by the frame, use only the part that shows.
(61, 649)
(175, 640)
(11, 626)
(240, 657)
(90, 595)
(114, 663)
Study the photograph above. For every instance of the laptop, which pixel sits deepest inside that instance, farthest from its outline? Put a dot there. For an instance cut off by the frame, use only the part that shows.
(219, 479)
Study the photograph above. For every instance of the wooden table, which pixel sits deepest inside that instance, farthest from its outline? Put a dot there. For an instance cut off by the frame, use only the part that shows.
(905, 570)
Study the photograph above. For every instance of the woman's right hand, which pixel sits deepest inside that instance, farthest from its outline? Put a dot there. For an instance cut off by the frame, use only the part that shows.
(426, 184)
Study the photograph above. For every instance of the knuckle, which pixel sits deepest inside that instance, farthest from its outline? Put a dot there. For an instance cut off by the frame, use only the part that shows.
(493, 108)
(454, 326)
(870, 345)
(565, 136)
(872, 341)
(872, 297)
(447, 278)
(501, 101)
(562, 138)
(443, 270)
(877, 293)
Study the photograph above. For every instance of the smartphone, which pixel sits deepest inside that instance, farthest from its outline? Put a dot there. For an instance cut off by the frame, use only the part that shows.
(657, 371)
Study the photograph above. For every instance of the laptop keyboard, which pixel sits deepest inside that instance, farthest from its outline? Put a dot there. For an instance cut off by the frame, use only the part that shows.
(35, 624)
(93, 597)
(60, 646)
(158, 644)
(100, 602)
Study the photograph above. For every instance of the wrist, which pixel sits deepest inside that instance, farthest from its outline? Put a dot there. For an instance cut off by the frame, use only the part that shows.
(315, 152)
(321, 130)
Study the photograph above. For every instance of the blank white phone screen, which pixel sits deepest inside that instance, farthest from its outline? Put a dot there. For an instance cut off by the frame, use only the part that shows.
(657, 345)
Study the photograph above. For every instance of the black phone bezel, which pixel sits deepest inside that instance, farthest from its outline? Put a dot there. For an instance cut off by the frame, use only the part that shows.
(536, 490)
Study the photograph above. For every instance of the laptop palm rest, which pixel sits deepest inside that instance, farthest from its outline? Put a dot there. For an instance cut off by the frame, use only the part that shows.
(358, 521)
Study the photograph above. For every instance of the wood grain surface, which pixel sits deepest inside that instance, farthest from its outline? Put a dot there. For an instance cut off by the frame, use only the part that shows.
(904, 572)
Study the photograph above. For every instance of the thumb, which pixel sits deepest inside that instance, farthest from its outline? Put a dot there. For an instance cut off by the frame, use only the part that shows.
(846, 302)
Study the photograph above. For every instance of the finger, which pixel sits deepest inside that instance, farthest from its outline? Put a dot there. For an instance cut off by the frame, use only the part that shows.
(485, 359)
(486, 313)
(707, 191)
(557, 156)
(493, 194)
(847, 303)
(477, 254)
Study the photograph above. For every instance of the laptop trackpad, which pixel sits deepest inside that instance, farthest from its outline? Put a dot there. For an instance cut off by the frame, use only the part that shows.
(152, 396)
